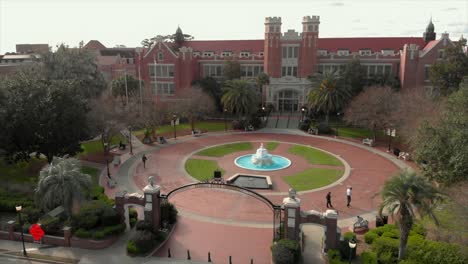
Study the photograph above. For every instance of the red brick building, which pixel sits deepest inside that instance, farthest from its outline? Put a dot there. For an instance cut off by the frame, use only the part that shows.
(288, 58)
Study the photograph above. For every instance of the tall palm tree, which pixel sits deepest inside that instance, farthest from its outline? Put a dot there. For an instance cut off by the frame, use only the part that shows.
(62, 183)
(405, 196)
(262, 80)
(239, 97)
(332, 94)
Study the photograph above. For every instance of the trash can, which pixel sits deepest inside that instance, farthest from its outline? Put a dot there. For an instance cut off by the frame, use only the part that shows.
(381, 220)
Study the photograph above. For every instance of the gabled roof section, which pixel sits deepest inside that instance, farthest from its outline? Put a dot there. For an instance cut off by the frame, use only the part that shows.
(123, 52)
(94, 45)
(374, 44)
(219, 46)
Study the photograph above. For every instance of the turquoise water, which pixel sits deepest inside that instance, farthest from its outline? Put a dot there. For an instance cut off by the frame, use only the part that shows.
(278, 163)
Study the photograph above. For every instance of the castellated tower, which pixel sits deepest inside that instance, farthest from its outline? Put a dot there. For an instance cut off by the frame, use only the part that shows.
(272, 47)
(309, 43)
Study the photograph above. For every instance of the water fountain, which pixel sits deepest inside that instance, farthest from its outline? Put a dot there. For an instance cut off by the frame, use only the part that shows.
(262, 161)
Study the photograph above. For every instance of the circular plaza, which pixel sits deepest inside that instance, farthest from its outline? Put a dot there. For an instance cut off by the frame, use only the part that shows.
(229, 223)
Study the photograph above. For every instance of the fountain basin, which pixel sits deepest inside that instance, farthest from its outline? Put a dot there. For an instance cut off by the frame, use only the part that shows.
(278, 163)
(251, 181)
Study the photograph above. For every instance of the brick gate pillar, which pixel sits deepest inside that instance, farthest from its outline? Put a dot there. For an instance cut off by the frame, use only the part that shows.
(332, 233)
(292, 216)
(152, 204)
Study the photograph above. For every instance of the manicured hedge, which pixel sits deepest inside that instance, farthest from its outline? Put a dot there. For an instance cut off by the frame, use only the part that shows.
(286, 251)
(369, 257)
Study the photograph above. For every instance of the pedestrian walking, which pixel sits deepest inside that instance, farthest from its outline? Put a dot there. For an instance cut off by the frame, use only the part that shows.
(348, 195)
(329, 205)
(144, 158)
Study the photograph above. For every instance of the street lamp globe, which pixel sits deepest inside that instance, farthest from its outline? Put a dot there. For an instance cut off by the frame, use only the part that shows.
(18, 208)
(352, 243)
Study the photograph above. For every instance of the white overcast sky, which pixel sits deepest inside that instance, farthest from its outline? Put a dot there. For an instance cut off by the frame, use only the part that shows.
(127, 22)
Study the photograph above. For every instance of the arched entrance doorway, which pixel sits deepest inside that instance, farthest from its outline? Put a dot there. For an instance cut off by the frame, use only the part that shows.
(288, 100)
(276, 209)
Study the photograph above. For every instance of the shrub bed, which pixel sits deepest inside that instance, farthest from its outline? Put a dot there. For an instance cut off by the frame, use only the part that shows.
(97, 220)
(286, 251)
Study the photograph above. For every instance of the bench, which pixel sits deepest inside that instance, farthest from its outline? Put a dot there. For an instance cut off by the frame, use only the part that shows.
(249, 128)
(404, 155)
(313, 131)
(196, 133)
(111, 183)
(368, 141)
(162, 140)
(116, 161)
(361, 223)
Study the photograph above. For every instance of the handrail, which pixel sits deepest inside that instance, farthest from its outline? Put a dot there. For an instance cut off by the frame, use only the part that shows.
(223, 185)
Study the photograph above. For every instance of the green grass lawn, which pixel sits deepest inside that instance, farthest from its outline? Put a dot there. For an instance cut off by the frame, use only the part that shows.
(93, 172)
(202, 169)
(95, 146)
(203, 126)
(358, 133)
(270, 146)
(21, 172)
(314, 156)
(223, 150)
(313, 178)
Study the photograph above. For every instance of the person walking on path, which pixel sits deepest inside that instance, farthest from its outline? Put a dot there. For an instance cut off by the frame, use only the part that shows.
(348, 195)
(329, 205)
(144, 158)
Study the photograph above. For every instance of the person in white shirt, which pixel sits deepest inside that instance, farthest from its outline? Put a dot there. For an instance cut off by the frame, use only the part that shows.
(348, 195)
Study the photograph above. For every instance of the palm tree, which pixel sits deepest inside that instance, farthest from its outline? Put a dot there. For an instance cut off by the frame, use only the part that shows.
(262, 80)
(239, 97)
(332, 93)
(62, 183)
(405, 196)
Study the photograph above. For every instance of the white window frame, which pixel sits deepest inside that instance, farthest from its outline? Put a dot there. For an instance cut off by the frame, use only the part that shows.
(365, 52)
(163, 88)
(244, 54)
(343, 53)
(211, 70)
(163, 72)
(226, 54)
(388, 52)
(322, 52)
(427, 69)
(253, 69)
(208, 54)
(289, 52)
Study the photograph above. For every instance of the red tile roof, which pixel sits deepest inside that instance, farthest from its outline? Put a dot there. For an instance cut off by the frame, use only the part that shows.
(374, 44)
(431, 44)
(218, 46)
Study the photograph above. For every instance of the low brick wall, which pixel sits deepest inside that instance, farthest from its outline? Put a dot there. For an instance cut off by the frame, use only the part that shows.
(66, 241)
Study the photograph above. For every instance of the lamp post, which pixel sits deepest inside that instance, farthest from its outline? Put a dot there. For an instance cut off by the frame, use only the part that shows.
(18, 209)
(130, 139)
(337, 125)
(352, 244)
(225, 120)
(106, 152)
(390, 133)
(139, 50)
(303, 109)
(264, 113)
(174, 119)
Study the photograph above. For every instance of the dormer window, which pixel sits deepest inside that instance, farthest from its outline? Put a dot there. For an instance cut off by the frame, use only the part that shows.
(244, 54)
(388, 52)
(322, 52)
(226, 54)
(196, 54)
(441, 54)
(260, 54)
(343, 52)
(208, 54)
(160, 56)
(365, 52)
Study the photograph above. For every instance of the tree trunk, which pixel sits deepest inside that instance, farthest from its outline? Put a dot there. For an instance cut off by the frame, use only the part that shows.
(50, 157)
(326, 117)
(373, 133)
(404, 232)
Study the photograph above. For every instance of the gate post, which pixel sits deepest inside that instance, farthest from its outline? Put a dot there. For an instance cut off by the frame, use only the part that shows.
(332, 233)
(152, 203)
(292, 216)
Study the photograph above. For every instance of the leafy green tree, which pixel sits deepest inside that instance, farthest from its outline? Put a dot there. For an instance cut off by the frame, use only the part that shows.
(447, 75)
(406, 196)
(124, 86)
(239, 97)
(62, 183)
(262, 80)
(355, 76)
(232, 70)
(332, 94)
(42, 117)
(442, 146)
(74, 64)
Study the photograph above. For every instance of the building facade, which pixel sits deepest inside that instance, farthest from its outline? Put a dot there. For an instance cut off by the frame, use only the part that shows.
(168, 70)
